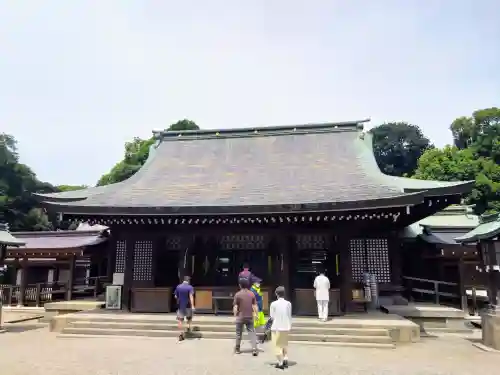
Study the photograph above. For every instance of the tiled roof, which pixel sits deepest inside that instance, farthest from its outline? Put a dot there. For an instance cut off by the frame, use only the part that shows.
(488, 228)
(278, 169)
(58, 240)
(6, 238)
(447, 224)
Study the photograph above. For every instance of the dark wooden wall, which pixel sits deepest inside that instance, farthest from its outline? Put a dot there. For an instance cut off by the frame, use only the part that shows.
(133, 250)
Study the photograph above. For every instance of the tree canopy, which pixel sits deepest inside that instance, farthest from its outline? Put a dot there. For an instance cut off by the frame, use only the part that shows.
(398, 146)
(17, 183)
(475, 156)
(70, 187)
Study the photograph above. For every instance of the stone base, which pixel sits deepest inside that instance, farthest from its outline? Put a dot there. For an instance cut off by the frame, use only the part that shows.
(490, 323)
(431, 318)
(68, 307)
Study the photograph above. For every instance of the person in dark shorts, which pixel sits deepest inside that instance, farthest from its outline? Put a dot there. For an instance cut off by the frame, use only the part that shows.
(184, 295)
(245, 309)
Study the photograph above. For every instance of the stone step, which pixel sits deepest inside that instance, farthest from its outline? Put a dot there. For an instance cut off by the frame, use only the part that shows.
(303, 343)
(311, 337)
(321, 330)
(229, 321)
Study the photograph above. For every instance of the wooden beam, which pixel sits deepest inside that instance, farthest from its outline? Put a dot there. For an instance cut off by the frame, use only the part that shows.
(461, 285)
(345, 273)
(71, 278)
(24, 282)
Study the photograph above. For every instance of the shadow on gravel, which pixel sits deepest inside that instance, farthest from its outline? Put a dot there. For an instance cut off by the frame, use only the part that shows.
(16, 328)
(290, 363)
(474, 340)
(193, 335)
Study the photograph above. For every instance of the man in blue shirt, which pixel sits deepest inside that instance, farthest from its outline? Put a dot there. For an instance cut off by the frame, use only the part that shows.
(184, 295)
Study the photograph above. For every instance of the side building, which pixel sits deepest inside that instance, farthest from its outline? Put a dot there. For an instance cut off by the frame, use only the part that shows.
(288, 200)
(55, 265)
(431, 254)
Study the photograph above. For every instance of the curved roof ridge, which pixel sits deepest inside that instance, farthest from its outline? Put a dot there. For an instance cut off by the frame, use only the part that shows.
(406, 184)
(310, 128)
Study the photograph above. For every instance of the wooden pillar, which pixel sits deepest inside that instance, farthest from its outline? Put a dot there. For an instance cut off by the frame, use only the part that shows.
(284, 262)
(211, 255)
(345, 273)
(100, 267)
(331, 261)
(23, 282)
(461, 285)
(71, 277)
(489, 250)
(129, 272)
(50, 275)
(395, 263)
(188, 242)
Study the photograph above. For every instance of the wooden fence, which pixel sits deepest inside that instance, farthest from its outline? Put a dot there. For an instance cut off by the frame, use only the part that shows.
(41, 293)
(442, 291)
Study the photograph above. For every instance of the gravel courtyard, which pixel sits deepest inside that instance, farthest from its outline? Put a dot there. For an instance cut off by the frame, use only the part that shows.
(26, 350)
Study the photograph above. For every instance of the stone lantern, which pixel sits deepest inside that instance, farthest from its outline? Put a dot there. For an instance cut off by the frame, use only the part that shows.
(6, 239)
(486, 236)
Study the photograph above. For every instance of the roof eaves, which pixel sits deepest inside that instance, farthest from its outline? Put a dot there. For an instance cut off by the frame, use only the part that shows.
(455, 189)
(487, 229)
(303, 208)
(428, 188)
(59, 233)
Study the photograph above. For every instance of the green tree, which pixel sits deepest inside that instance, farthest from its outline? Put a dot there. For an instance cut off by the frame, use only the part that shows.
(136, 154)
(398, 146)
(183, 125)
(70, 187)
(17, 183)
(480, 132)
(454, 164)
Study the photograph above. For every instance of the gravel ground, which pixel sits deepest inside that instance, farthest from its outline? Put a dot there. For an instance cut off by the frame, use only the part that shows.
(35, 351)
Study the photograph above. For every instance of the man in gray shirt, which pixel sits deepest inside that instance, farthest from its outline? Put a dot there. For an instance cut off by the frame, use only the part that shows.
(245, 309)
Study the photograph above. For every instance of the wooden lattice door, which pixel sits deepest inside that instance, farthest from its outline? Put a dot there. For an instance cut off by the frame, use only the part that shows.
(370, 255)
(143, 263)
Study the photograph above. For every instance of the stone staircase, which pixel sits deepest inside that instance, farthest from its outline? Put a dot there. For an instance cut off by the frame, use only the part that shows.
(304, 332)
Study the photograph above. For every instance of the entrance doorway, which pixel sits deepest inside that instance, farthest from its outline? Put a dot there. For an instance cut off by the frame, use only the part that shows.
(313, 254)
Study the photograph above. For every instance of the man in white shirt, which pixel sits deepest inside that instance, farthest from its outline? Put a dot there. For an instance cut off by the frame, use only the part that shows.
(322, 293)
(280, 312)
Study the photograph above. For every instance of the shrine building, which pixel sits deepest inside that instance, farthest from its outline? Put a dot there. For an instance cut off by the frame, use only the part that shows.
(288, 200)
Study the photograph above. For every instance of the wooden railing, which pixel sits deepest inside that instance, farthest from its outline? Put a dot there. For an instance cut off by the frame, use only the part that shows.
(40, 293)
(418, 285)
(33, 294)
(91, 286)
(434, 288)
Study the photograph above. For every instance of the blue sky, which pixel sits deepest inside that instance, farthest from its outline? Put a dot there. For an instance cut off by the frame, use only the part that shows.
(79, 78)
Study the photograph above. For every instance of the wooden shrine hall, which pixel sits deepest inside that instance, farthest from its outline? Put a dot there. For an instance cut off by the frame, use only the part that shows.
(288, 200)
(56, 265)
(431, 253)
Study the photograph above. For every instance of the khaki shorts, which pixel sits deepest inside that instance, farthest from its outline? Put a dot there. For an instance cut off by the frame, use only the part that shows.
(279, 340)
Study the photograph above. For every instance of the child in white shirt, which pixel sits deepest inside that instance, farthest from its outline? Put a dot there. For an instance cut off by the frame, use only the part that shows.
(281, 315)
